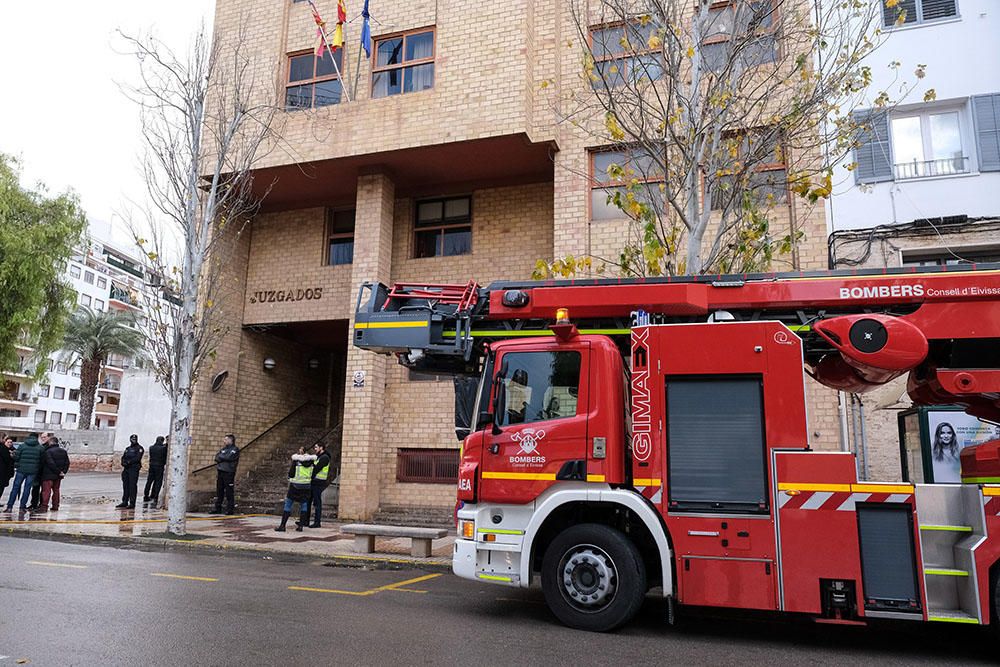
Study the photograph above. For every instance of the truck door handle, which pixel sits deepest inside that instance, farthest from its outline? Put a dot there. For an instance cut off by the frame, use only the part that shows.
(495, 448)
(703, 533)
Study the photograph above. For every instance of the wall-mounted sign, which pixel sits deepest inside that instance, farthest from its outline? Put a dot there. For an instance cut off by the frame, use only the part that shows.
(359, 379)
(280, 296)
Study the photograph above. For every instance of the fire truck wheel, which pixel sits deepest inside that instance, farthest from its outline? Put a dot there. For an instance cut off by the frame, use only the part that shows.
(593, 577)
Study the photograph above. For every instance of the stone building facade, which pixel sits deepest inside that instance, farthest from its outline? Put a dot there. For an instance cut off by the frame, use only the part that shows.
(467, 129)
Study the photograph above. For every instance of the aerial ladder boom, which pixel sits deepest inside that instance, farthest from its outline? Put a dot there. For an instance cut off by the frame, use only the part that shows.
(860, 329)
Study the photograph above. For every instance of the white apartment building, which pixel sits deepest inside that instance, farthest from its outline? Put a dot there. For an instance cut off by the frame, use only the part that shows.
(935, 163)
(104, 278)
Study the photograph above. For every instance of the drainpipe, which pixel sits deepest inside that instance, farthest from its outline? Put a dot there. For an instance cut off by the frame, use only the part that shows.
(864, 438)
(845, 436)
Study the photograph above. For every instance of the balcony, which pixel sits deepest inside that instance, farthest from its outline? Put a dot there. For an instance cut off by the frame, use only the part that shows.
(951, 166)
(121, 296)
(110, 386)
(27, 423)
(128, 267)
(17, 398)
(106, 409)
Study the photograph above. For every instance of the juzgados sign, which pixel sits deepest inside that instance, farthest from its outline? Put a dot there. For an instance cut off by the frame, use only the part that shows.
(280, 296)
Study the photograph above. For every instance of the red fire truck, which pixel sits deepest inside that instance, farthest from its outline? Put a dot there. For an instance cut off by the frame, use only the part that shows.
(627, 435)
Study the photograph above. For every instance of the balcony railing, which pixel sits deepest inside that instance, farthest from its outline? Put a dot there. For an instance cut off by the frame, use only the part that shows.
(119, 294)
(16, 397)
(106, 408)
(124, 266)
(110, 386)
(943, 167)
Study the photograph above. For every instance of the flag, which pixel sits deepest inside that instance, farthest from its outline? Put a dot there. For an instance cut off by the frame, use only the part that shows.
(366, 31)
(338, 33)
(320, 29)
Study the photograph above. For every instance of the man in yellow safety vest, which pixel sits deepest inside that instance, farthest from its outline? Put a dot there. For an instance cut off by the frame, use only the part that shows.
(320, 480)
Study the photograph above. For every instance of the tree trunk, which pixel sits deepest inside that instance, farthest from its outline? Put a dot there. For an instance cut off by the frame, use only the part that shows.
(90, 374)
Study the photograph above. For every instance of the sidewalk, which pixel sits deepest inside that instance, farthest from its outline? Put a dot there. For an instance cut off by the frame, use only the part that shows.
(89, 515)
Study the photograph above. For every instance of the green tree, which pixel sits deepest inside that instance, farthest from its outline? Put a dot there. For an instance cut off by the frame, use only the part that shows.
(37, 237)
(94, 336)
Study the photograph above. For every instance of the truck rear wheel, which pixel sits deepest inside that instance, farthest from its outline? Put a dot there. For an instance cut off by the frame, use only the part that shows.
(593, 577)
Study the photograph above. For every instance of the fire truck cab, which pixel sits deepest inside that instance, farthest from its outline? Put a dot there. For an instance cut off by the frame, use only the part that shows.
(678, 458)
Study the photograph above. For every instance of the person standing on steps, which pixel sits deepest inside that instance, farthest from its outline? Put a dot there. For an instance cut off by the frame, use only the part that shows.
(299, 489)
(320, 480)
(225, 478)
(131, 465)
(154, 480)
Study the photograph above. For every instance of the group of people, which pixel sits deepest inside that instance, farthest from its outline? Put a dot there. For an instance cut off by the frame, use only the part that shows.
(308, 478)
(37, 467)
(131, 465)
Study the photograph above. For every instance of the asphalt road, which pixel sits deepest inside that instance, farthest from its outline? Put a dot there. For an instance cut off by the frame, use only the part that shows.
(68, 604)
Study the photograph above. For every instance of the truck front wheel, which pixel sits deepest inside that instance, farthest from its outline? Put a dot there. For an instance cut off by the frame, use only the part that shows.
(593, 577)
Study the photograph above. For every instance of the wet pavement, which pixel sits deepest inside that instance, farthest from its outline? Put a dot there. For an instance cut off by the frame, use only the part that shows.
(87, 512)
(71, 604)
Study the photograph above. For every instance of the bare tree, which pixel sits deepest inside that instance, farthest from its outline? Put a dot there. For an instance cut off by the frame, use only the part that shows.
(208, 119)
(715, 113)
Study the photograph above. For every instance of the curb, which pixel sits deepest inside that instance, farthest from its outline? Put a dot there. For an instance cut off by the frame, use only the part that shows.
(394, 562)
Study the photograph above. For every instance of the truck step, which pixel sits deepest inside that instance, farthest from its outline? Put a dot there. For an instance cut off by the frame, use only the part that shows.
(950, 616)
(945, 571)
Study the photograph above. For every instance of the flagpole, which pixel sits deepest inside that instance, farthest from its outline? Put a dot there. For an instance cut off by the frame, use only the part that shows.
(326, 41)
(357, 73)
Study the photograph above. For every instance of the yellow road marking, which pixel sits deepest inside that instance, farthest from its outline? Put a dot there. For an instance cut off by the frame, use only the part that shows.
(47, 564)
(181, 576)
(329, 590)
(398, 586)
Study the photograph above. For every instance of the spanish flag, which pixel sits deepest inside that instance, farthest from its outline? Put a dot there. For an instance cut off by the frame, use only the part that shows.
(338, 33)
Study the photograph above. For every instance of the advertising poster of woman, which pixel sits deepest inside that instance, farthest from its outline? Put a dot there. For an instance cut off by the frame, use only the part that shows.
(950, 433)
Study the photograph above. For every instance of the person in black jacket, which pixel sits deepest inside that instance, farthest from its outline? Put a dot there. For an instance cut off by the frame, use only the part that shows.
(55, 465)
(320, 480)
(36, 487)
(157, 462)
(6, 461)
(131, 465)
(225, 466)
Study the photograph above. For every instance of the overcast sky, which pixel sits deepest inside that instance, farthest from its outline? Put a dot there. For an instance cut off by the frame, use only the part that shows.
(61, 110)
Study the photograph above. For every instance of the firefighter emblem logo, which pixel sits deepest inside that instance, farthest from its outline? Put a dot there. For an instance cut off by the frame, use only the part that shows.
(528, 439)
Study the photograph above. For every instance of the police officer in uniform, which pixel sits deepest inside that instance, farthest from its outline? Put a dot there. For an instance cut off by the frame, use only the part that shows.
(157, 463)
(131, 465)
(299, 489)
(225, 478)
(320, 480)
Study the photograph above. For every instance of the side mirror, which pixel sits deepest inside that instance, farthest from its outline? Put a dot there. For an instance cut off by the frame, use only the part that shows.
(499, 403)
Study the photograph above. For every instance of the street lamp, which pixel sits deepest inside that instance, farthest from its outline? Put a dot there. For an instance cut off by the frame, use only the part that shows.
(269, 364)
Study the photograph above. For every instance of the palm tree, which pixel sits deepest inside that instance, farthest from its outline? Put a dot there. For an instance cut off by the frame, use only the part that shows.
(94, 336)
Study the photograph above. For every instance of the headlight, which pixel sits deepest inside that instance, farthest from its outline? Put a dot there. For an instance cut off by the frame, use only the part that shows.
(468, 530)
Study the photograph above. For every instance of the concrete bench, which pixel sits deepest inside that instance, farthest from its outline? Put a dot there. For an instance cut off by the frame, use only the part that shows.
(420, 538)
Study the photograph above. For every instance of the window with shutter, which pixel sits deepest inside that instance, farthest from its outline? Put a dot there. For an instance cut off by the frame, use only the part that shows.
(986, 113)
(872, 155)
(909, 12)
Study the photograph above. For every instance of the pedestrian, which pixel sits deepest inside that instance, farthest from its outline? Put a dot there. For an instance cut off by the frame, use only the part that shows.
(131, 465)
(36, 487)
(225, 474)
(299, 489)
(320, 480)
(6, 462)
(27, 462)
(55, 465)
(157, 462)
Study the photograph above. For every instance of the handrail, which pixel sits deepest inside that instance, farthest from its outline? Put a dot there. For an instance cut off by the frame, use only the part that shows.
(263, 433)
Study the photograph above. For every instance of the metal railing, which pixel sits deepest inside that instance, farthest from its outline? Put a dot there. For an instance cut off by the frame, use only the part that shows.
(943, 167)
